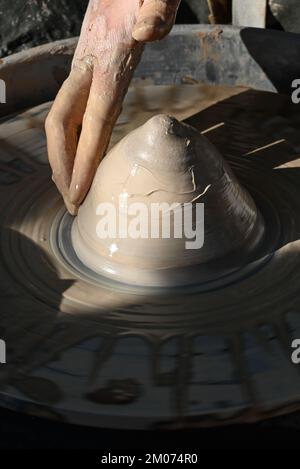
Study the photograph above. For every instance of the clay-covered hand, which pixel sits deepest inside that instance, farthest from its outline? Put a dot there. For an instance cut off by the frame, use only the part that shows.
(81, 120)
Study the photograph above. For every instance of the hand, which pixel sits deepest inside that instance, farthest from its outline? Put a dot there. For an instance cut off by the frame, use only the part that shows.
(83, 115)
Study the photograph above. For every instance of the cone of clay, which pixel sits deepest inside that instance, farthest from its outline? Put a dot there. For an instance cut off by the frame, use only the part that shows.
(166, 162)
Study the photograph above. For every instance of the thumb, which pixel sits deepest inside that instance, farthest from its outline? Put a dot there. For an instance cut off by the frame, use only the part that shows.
(155, 20)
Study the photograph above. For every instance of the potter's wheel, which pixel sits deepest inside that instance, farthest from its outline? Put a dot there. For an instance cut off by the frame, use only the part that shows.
(100, 353)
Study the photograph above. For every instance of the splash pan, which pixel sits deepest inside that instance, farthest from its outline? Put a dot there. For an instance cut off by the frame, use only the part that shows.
(89, 350)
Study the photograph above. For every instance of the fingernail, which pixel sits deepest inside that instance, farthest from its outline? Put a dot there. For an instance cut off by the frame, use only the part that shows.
(149, 29)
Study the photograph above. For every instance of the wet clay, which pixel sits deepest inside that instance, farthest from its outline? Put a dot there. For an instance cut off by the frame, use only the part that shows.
(167, 162)
(101, 353)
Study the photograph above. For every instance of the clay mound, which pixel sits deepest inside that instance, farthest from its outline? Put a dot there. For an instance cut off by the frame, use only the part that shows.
(167, 162)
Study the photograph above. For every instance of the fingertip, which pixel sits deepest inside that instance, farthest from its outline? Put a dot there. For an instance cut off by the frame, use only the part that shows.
(151, 30)
(72, 208)
(76, 195)
(62, 187)
(155, 20)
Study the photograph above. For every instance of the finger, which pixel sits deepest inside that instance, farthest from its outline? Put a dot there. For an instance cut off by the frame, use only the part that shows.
(103, 108)
(155, 20)
(62, 127)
